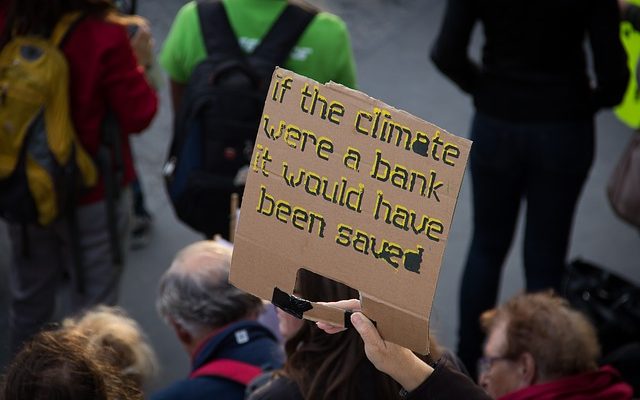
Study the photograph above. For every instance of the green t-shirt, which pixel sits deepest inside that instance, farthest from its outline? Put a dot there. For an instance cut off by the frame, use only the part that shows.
(323, 52)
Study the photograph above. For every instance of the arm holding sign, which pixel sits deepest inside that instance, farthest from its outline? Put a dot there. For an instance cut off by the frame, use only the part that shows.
(417, 377)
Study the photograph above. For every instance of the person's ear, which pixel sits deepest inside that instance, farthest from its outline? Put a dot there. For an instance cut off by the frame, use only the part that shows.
(527, 369)
(183, 335)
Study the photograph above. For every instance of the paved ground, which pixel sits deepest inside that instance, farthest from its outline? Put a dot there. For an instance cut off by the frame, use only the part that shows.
(391, 40)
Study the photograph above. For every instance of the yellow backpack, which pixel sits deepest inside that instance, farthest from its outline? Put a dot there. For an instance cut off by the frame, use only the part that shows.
(42, 163)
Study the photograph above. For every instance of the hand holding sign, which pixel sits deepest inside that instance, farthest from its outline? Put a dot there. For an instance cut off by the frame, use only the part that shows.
(396, 361)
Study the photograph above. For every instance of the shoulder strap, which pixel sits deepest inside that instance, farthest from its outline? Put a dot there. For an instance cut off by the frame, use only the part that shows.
(64, 26)
(59, 35)
(216, 30)
(284, 34)
(233, 370)
(219, 37)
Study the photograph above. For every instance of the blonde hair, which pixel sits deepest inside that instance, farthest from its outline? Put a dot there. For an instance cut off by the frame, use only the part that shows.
(118, 340)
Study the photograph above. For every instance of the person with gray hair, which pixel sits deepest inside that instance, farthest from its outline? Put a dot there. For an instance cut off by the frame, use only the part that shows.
(216, 324)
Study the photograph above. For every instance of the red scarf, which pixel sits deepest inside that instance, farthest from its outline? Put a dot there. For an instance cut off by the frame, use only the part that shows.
(602, 384)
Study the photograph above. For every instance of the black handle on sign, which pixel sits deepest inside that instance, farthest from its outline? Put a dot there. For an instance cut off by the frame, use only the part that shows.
(290, 304)
(347, 319)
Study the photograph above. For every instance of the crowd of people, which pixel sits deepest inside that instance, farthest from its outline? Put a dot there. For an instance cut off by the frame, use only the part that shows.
(538, 347)
(533, 95)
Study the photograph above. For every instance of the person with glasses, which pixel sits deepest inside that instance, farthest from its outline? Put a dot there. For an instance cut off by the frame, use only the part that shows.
(539, 348)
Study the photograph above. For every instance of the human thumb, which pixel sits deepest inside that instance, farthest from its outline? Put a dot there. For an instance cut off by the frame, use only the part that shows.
(366, 329)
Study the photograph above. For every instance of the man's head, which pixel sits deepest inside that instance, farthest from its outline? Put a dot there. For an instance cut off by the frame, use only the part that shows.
(535, 338)
(195, 297)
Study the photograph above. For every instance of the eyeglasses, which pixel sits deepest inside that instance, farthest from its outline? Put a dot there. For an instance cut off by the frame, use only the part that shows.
(485, 363)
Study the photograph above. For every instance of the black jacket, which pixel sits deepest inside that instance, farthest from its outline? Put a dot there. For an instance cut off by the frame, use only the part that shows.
(447, 384)
(534, 65)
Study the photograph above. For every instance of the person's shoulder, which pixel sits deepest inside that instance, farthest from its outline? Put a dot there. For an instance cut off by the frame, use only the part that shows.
(101, 25)
(200, 388)
(94, 36)
(328, 21)
(279, 387)
(174, 391)
(184, 27)
(254, 343)
(328, 28)
(187, 13)
(189, 8)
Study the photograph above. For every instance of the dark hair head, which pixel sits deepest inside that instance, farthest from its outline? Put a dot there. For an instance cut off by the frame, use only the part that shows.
(57, 366)
(332, 366)
(39, 17)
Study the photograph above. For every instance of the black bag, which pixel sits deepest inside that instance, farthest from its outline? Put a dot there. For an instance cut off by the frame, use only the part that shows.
(215, 128)
(611, 303)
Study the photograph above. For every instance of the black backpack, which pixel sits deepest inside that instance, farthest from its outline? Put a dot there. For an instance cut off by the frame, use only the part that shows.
(216, 126)
(611, 302)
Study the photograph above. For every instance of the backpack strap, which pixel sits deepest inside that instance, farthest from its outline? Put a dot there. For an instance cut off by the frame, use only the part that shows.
(64, 26)
(111, 162)
(60, 34)
(276, 45)
(233, 370)
(284, 34)
(217, 32)
(109, 158)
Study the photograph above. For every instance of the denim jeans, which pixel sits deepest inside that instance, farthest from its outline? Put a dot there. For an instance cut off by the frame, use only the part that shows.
(543, 163)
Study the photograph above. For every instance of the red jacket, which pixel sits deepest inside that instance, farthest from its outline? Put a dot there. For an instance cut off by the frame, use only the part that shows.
(104, 75)
(602, 384)
(447, 384)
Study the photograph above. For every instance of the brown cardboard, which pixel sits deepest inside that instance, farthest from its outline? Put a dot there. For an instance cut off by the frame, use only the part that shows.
(284, 227)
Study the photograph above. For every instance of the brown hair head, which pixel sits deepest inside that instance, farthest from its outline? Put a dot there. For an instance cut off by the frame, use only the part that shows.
(57, 366)
(39, 17)
(332, 366)
(560, 339)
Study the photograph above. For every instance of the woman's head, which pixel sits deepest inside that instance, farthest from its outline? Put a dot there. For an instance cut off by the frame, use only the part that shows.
(39, 17)
(330, 366)
(58, 366)
(535, 338)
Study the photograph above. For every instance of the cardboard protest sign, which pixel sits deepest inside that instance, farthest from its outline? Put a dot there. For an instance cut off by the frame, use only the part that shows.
(350, 188)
